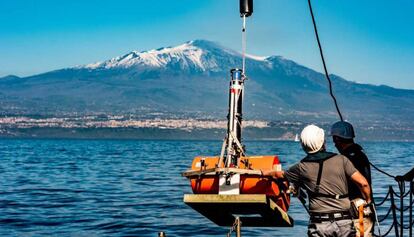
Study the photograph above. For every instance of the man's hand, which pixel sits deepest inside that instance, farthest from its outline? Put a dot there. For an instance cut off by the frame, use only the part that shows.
(273, 173)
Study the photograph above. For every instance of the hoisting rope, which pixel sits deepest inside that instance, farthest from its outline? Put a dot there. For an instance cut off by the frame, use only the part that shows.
(244, 42)
(381, 171)
(323, 61)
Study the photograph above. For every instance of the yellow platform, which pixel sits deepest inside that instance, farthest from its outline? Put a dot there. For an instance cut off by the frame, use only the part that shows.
(254, 210)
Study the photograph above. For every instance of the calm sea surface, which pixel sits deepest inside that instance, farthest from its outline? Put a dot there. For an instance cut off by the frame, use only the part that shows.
(134, 188)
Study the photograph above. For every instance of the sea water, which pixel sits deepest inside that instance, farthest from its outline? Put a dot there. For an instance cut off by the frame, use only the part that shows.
(134, 188)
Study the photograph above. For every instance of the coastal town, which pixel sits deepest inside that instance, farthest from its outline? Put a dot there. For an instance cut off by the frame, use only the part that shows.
(121, 122)
(160, 126)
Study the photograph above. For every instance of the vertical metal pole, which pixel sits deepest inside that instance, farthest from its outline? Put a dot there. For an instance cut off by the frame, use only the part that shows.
(402, 189)
(238, 231)
(234, 117)
(394, 214)
(230, 126)
(411, 209)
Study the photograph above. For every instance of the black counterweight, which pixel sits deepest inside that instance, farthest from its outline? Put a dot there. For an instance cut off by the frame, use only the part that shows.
(246, 8)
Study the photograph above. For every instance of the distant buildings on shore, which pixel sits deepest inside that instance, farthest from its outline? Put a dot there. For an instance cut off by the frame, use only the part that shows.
(121, 122)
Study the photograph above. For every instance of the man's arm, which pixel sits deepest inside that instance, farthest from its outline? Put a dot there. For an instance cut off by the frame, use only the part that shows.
(292, 174)
(363, 185)
(274, 173)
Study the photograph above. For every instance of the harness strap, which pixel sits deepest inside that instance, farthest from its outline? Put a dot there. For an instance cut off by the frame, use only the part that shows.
(316, 193)
(318, 179)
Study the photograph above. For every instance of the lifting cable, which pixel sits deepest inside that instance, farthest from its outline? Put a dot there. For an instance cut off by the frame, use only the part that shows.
(381, 171)
(244, 44)
(323, 61)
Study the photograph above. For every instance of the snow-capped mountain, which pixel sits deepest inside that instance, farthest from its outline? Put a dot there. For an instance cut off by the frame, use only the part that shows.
(192, 78)
(187, 55)
(198, 55)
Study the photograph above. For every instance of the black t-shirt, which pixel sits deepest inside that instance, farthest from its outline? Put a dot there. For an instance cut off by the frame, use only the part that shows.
(358, 158)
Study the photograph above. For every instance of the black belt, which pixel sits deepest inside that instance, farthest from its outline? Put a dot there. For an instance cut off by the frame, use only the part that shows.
(317, 217)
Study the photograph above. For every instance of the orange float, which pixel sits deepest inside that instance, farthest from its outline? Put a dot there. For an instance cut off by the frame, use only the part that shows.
(249, 183)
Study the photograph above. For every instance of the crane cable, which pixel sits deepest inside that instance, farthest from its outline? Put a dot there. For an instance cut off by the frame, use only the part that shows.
(244, 43)
(323, 62)
(330, 83)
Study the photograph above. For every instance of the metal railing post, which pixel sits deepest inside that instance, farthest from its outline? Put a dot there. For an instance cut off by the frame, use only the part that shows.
(394, 214)
(410, 219)
(238, 232)
(402, 188)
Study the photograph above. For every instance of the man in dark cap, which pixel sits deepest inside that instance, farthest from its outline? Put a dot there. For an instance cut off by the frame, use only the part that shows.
(343, 136)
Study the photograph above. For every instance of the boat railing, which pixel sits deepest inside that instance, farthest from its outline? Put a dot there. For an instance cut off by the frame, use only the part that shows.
(396, 207)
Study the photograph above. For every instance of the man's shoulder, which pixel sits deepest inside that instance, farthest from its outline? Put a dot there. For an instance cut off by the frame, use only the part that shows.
(357, 152)
(339, 157)
(294, 167)
(340, 160)
(355, 149)
(318, 157)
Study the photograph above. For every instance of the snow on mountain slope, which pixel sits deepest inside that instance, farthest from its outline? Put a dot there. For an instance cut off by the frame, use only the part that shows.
(198, 54)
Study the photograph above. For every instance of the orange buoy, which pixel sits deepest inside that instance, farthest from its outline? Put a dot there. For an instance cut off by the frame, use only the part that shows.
(249, 183)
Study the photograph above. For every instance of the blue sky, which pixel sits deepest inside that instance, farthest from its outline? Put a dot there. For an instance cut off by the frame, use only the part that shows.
(365, 41)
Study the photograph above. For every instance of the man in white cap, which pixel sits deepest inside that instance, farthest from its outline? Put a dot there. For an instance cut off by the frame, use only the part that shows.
(324, 176)
(343, 137)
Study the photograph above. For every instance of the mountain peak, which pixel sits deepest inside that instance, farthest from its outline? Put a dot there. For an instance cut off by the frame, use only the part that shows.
(188, 55)
(198, 55)
(204, 44)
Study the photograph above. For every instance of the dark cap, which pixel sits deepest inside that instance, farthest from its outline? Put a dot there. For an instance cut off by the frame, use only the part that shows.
(342, 129)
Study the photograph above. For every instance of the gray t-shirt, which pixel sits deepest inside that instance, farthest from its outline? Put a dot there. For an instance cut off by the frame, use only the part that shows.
(336, 171)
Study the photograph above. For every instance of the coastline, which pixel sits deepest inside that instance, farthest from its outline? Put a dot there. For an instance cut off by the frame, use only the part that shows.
(128, 133)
